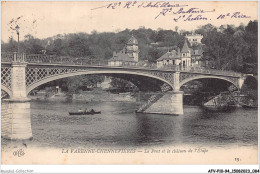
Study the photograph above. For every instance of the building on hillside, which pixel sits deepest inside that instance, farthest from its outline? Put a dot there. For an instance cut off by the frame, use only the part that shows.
(196, 48)
(169, 58)
(182, 58)
(196, 55)
(132, 48)
(194, 39)
(128, 56)
(186, 55)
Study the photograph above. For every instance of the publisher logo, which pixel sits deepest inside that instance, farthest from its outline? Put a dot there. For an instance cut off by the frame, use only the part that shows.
(19, 153)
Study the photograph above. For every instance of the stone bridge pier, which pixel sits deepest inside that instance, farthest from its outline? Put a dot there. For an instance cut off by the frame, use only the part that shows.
(15, 112)
(170, 102)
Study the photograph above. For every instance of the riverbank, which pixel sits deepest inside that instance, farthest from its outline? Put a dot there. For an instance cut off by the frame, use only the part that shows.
(86, 96)
(195, 99)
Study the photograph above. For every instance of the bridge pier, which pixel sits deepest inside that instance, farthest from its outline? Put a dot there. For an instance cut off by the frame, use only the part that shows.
(18, 81)
(16, 120)
(170, 103)
(15, 112)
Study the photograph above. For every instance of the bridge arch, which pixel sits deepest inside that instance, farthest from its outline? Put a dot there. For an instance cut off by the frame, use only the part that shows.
(71, 74)
(8, 91)
(208, 77)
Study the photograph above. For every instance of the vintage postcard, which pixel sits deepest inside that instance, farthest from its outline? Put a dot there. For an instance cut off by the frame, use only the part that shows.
(129, 82)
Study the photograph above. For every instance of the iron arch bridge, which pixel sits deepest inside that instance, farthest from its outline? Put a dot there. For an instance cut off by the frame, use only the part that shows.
(21, 73)
(40, 69)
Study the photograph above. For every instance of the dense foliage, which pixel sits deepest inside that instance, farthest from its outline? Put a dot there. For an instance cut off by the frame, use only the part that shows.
(227, 47)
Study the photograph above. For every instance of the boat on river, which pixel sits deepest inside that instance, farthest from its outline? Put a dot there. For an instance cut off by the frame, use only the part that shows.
(91, 112)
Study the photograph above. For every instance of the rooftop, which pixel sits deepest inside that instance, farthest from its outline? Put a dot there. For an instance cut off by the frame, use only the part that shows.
(132, 41)
(185, 48)
(169, 56)
(122, 56)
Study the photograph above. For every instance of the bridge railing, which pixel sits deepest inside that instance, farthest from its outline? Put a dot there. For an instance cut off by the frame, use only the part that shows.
(7, 57)
(202, 70)
(66, 60)
(12, 57)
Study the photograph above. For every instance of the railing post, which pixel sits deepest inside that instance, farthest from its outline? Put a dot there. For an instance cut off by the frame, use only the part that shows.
(15, 57)
(176, 81)
(23, 57)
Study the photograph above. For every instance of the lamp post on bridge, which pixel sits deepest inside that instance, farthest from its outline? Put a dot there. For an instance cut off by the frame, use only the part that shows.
(17, 32)
(18, 46)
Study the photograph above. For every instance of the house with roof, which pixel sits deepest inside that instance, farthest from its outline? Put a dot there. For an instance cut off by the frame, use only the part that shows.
(129, 55)
(188, 56)
(169, 58)
(178, 57)
(194, 39)
(196, 54)
(196, 47)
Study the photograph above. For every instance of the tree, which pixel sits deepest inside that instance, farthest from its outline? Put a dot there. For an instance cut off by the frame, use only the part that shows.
(78, 47)
(251, 32)
(11, 46)
(121, 83)
(234, 48)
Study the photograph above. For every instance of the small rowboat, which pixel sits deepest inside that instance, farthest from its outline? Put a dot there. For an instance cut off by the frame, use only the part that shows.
(85, 113)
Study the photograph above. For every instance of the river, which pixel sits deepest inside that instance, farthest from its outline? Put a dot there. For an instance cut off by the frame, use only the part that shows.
(119, 126)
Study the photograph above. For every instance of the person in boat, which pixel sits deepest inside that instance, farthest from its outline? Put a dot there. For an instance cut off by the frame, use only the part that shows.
(92, 110)
(86, 110)
(80, 110)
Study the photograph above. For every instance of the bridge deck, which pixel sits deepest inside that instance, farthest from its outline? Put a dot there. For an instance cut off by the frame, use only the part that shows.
(67, 61)
(194, 70)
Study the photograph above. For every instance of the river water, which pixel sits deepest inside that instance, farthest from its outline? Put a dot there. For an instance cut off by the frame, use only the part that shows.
(119, 126)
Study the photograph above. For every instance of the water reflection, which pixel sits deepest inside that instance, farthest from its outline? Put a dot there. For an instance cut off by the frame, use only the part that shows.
(158, 129)
(119, 126)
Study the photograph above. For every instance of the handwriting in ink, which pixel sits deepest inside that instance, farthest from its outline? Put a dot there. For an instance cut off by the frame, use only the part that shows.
(191, 10)
(160, 5)
(131, 4)
(181, 11)
(190, 17)
(233, 15)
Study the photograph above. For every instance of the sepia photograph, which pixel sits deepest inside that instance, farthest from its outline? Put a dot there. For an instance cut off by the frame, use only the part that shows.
(129, 82)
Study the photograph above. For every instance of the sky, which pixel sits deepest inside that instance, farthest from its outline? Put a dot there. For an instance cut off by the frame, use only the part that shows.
(46, 19)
